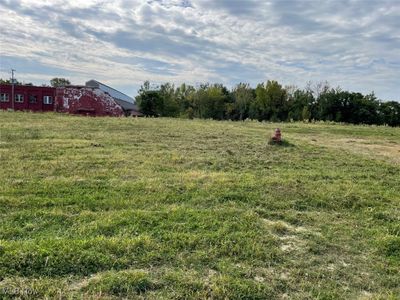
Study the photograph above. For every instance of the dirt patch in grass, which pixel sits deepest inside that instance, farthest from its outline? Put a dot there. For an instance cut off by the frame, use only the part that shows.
(290, 236)
(372, 148)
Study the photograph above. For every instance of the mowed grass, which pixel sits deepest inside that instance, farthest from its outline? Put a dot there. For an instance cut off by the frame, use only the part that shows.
(109, 208)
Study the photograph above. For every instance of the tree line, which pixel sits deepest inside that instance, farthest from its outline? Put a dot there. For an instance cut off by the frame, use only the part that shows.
(269, 101)
(55, 82)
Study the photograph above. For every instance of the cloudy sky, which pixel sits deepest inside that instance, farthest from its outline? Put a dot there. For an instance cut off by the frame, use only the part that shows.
(354, 44)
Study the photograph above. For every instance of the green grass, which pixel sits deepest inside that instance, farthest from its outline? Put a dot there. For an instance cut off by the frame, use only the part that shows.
(104, 208)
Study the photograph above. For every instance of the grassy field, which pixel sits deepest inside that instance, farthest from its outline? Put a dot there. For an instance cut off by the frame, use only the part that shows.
(107, 208)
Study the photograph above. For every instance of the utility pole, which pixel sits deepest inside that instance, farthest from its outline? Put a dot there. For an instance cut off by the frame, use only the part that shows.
(12, 88)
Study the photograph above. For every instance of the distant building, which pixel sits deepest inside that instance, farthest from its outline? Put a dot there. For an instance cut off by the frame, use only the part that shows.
(93, 99)
(127, 103)
(27, 97)
(86, 101)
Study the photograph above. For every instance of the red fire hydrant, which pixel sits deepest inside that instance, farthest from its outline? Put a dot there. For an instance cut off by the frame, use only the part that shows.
(277, 137)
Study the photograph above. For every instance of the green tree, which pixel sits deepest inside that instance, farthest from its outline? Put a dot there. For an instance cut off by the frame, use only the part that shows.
(16, 82)
(390, 113)
(59, 82)
(149, 100)
(5, 81)
(330, 104)
(209, 101)
(271, 102)
(170, 106)
(243, 96)
(184, 96)
(299, 105)
(305, 114)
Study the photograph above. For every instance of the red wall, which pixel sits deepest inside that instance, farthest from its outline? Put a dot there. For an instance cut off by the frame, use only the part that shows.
(86, 101)
(28, 91)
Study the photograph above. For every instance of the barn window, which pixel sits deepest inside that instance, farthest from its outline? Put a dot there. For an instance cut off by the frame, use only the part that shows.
(47, 100)
(19, 98)
(4, 97)
(32, 99)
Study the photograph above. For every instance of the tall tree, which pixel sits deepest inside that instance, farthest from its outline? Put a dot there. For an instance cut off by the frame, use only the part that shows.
(170, 107)
(243, 96)
(390, 113)
(209, 101)
(149, 100)
(184, 96)
(300, 102)
(271, 102)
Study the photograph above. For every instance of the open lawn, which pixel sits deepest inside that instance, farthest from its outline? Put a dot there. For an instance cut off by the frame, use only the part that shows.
(106, 208)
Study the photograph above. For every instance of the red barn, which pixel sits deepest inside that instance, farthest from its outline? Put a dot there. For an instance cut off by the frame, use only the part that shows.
(27, 97)
(86, 101)
(127, 103)
(94, 99)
